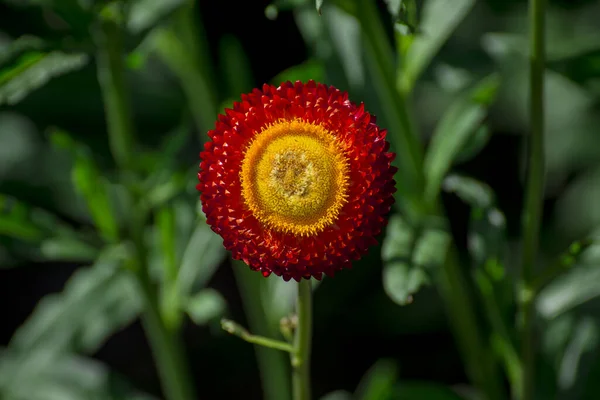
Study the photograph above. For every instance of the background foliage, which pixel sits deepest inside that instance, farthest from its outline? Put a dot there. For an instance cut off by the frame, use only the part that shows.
(70, 311)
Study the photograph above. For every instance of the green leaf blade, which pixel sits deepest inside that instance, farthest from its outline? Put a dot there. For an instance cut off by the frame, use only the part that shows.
(32, 70)
(440, 19)
(454, 131)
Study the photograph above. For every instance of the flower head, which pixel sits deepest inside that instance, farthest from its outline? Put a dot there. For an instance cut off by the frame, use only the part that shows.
(297, 180)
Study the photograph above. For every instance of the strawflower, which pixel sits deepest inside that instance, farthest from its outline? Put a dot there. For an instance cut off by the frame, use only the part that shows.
(297, 180)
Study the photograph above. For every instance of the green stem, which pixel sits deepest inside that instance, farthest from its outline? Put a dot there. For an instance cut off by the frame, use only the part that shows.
(302, 342)
(183, 48)
(239, 331)
(111, 77)
(394, 108)
(535, 191)
(501, 339)
(273, 364)
(169, 354)
(166, 346)
(455, 286)
(479, 361)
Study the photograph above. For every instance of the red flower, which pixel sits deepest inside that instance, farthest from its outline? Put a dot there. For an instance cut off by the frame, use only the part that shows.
(297, 180)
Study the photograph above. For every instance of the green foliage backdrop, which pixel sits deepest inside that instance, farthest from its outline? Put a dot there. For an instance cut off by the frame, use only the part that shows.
(105, 105)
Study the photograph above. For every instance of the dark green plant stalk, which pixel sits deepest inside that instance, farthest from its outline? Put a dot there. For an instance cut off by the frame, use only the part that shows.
(480, 364)
(455, 286)
(181, 47)
(272, 363)
(535, 192)
(168, 353)
(302, 342)
(394, 108)
(167, 348)
(111, 77)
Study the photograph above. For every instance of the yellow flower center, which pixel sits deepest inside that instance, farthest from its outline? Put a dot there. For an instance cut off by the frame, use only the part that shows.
(295, 177)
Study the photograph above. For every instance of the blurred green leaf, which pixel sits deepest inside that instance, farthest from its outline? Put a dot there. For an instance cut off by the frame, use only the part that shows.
(487, 224)
(338, 395)
(404, 137)
(235, 66)
(404, 16)
(474, 146)
(73, 15)
(146, 14)
(172, 186)
(319, 5)
(407, 254)
(583, 340)
(423, 390)
(271, 12)
(205, 306)
(90, 184)
(570, 290)
(310, 69)
(201, 258)
(165, 219)
(18, 47)
(486, 241)
(469, 190)
(378, 383)
(452, 79)
(41, 376)
(344, 36)
(439, 19)
(454, 131)
(182, 46)
(252, 288)
(487, 238)
(394, 7)
(95, 302)
(401, 281)
(68, 249)
(34, 225)
(559, 48)
(279, 297)
(14, 223)
(165, 178)
(33, 69)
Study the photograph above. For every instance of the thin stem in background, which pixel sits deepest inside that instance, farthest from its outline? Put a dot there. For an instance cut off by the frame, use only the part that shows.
(302, 342)
(117, 108)
(455, 284)
(480, 364)
(166, 346)
(402, 131)
(273, 364)
(535, 191)
(182, 47)
(235, 329)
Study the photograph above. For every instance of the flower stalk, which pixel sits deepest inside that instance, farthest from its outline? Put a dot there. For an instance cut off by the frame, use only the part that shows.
(167, 348)
(534, 194)
(302, 342)
(237, 330)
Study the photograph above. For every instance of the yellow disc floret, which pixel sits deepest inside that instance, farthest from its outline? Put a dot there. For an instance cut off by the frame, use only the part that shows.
(294, 177)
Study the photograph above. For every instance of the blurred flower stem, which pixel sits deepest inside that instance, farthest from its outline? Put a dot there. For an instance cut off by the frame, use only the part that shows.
(182, 46)
(166, 346)
(273, 365)
(302, 342)
(455, 286)
(395, 108)
(534, 192)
